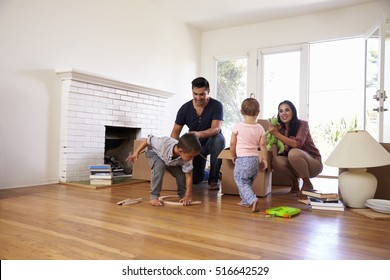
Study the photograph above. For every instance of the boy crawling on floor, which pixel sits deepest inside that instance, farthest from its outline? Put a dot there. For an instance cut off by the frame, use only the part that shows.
(175, 156)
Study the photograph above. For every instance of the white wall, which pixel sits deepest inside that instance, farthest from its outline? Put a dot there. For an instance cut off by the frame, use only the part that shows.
(127, 40)
(348, 22)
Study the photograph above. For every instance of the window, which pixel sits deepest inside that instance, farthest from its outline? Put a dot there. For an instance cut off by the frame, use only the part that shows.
(231, 90)
(325, 81)
(280, 78)
(336, 93)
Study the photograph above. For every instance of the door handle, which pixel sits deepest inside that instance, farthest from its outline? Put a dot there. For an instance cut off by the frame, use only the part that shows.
(380, 94)
(376, 96)
(380, 109)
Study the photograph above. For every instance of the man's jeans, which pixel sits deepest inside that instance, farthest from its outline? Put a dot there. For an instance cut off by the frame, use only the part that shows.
(212, 147)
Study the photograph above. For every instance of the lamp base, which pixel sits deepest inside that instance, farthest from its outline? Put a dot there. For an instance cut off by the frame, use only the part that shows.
(356, 186)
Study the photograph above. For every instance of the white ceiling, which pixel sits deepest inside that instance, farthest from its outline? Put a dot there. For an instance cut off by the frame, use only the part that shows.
(214, 14)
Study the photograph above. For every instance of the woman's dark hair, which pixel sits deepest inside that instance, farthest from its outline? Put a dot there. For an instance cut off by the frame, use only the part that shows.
(189, 143)
(294, 123)
(200, 82)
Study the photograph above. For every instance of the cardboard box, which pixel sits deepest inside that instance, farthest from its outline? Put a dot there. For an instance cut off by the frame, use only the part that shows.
(262, 185)
(141, 170)
(382, 175)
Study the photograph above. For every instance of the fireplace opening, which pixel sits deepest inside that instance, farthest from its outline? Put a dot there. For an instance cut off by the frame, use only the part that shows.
(119, 143)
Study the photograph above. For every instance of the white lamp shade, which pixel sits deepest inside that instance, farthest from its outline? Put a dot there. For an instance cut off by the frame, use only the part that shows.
(358, 149)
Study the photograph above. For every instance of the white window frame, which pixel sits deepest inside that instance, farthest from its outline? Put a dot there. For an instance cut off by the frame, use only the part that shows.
(252, 65)
(304, 74)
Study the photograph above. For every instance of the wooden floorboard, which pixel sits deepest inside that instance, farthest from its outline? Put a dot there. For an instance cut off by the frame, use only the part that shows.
(61, 222)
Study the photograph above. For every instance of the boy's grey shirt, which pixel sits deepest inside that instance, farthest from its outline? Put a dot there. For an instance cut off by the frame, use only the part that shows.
(163, 146)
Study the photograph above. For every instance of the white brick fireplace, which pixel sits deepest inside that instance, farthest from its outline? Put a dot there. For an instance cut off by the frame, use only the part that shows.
(89, 104)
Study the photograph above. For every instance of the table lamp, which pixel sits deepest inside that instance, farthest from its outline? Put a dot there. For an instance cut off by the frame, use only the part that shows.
(357, 151)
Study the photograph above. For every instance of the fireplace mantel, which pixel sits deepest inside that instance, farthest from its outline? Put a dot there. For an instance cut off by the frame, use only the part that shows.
(91, 78)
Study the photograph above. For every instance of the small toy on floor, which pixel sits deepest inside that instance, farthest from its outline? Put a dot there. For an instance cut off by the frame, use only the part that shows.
(164, 200)
(129, 201)
(283, 211)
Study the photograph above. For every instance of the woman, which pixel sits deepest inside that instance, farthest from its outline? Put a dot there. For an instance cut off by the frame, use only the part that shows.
(301, 158)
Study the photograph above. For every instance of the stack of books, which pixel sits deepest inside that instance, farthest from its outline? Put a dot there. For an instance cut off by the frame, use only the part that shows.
(324, 201)
(100, 174)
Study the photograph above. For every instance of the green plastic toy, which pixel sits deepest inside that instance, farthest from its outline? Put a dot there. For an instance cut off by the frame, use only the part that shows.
(271, 139)
(283, 211)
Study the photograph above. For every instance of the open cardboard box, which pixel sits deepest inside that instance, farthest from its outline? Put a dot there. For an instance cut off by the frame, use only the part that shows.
(263, 182)
(382, 175)
(141, 170)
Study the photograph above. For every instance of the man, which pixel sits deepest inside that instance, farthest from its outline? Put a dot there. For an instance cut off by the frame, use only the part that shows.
(203, 116)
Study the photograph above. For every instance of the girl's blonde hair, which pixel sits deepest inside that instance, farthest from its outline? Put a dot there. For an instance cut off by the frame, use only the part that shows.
(250, 107)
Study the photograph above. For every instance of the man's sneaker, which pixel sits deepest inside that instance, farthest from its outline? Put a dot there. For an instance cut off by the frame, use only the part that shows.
(214, 186)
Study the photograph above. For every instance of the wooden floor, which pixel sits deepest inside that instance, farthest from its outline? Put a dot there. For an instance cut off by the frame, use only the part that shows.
(66, 222)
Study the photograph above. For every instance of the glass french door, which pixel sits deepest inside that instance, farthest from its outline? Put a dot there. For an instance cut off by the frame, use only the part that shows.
(231, 89)
(377, 118)
(325, 82)
(336, 93)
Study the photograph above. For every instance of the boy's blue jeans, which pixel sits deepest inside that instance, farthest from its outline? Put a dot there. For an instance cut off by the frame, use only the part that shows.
(157, 168)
